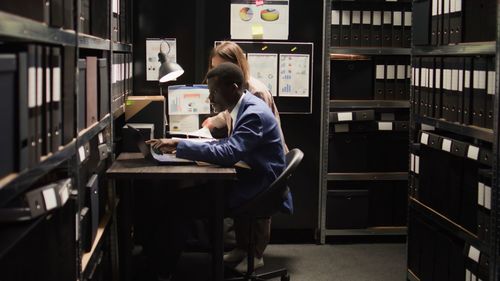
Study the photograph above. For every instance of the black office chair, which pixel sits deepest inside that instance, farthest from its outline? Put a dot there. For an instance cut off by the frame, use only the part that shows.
(264, 205)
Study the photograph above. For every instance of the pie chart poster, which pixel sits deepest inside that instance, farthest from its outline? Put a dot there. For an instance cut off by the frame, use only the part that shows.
(266, 21)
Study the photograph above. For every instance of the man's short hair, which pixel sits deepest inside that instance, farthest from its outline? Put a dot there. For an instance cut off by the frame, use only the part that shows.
(227, 73)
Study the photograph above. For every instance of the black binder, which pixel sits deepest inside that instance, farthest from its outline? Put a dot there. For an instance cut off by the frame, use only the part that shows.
(84, 17)
(439, 29)
(424, 87)
(69, 14)
(57, 13)
(8, 142)
(32, 140)
(366, 23)
(438, 87)
(39, 102)
(345, 28)
(99, 18)
(454, 97)
(390, 79)
(81, 96)
(397, 29)
(467, 92)
(408, 81)
(335, 28)
(68, 94)
(446, 86)
(22, 105)
(379, 79)
(490, 93)
(431, 91)
(407, 19)
(435, 23)
(92, 189)
(479, 91)
(446, 22)
(417, 85)
(56, 99)
(387, 29)
(400, 91)
(376, 32)
(104, 93)
(459, 65)
(456, 21)
(356, 28)
(47, 102)
(38, 10)
(421, 22)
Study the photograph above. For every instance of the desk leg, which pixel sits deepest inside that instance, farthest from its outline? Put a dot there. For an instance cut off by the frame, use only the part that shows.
(218, 233)
(125, 229)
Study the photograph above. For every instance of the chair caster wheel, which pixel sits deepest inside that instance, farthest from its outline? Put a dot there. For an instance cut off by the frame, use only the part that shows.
(285, 278)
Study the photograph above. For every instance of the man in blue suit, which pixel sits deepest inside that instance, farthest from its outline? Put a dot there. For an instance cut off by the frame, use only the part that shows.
(255, 139)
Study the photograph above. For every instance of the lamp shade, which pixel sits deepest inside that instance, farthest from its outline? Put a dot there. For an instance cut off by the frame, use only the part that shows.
(168, 70)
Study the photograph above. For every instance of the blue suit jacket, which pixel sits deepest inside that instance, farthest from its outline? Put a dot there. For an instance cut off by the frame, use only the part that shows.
(256, 140)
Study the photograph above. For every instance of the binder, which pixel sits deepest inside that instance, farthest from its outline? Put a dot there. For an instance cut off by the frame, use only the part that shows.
(439, 22)
(431, 89)
(91, 91)
(99, 18)
(467, 91)
(114, 28)
(92, 190)
(438, 88)
(424, 88)
(387, 29)
(407, 19)
(416, 87)
(400, 91)
(68, 14)
(22, 116)
(57, 13)
(335, 28)
(68, 94)
(408, 82)
(490, 93)
(446, 104)
(81, 95)
(376, 32)
(460, 64)
(356, 29)
(32, 140)
(455, 21)
(47, 102)
(454, 100)
(56, 109)
(435, 23)
(379, 79)
(104, 93)
(479, 91)
(38, 10)
(390, 80)
(39, 102)
(8, 142)
(446, 21)
(345, 28)
(366, 24)
(397, 29)
(84, 17)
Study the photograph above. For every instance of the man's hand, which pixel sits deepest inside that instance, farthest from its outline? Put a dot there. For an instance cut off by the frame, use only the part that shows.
(164, 145)
(208, 123)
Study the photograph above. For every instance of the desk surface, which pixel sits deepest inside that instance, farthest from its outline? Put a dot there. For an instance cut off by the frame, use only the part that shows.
(133, 165)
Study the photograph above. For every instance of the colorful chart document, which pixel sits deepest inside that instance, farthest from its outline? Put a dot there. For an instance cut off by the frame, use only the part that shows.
(264, 67)
(294, 75)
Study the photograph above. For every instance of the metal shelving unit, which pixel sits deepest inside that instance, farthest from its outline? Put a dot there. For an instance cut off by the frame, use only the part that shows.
(92, 131)
(373, 231)
(91, 42)
(374, 51)
(19, 28)
(389, 176)
(462, 49)
(15, 233)
(122, 47)
(466, 130)
(368, 104)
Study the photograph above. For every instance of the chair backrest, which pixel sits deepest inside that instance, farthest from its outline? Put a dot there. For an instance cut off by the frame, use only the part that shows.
(270, 201)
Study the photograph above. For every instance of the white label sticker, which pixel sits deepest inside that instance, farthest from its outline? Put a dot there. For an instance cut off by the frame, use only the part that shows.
(385, 126)
(407, 18)
(48, 91)
(387, 17)
(434, 8)
(458, 5)
(56, 84)
(424, 139)
(397, 18)
(490, 90)
(473, 152)
(356, 17)
(431, 78)
(391, 72)
(335, 17)
(417, 165)
(344, 116)
(446, 146)
(81, 153)
(412, 162)
(49, 197)
(454, 80)
(379, 71)
(467, 79)
(32, 87)
(474, 254)
(460, 80)
(401, 72)
(446, 7)
(39, 86)
(346, 17)
(367, 17)
(452, 6)
(377, 18)
(480, 194)
(341, 128)
(64, 194)
(487, 197)
(467, 275)
(101, 138)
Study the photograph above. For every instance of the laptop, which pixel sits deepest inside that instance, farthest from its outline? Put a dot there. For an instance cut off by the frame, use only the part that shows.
(149, 154)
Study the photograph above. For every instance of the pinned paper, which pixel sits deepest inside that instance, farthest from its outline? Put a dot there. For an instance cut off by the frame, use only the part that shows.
(259, 3)
(257, 31)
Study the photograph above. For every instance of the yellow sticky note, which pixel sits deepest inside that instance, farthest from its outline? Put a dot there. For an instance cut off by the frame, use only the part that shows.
(257, 30)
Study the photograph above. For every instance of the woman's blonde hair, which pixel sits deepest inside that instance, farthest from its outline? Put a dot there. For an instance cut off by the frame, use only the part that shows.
(231, 52)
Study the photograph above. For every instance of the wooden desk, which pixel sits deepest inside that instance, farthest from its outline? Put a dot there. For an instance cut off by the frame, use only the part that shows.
(133, 166)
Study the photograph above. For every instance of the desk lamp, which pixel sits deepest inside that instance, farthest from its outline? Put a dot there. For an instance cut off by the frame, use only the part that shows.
(168, 70)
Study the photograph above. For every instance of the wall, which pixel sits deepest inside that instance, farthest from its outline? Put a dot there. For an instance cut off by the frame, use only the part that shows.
(197, 24)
